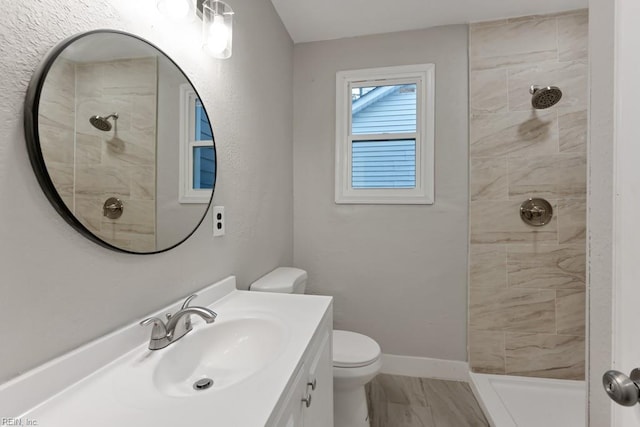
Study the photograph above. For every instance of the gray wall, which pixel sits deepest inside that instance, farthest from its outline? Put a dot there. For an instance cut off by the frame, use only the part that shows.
(398, 273)
(59, 290)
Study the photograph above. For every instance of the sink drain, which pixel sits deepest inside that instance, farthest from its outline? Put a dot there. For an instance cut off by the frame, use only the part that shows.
(203, 384)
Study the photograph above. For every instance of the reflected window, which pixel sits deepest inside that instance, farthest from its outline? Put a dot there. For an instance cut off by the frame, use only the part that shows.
(197, 156)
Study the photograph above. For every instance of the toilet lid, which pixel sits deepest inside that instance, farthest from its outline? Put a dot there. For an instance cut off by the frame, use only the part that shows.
(351, 350)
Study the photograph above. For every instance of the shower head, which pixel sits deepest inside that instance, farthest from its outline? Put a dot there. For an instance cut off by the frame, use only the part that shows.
(102, 123)
(544, 97)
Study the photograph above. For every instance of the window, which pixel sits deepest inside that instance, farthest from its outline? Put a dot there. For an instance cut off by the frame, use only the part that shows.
(197, 155)
(385, 135)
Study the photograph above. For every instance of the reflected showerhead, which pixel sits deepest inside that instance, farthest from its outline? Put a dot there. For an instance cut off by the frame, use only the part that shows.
(102, 123)
(545, 97)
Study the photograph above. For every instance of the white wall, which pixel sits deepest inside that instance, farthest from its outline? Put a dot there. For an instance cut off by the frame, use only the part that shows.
(600, 206)
(59, 290)
(398, 273)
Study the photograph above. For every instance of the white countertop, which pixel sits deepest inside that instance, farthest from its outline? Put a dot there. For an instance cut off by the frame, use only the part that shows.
(122, 393)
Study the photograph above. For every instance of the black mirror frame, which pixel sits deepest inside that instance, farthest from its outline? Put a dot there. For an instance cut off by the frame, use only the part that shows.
(32, 136)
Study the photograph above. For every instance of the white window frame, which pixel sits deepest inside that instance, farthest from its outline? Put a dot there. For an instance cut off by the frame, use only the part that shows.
(423, 75)
(188, 194)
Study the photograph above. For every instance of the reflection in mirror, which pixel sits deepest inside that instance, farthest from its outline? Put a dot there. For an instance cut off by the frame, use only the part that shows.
(110, 116)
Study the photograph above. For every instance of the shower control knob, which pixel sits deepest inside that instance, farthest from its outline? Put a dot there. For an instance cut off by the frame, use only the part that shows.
(622, 389)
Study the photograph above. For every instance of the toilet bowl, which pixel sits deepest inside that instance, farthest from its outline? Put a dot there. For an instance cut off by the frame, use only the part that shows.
(356, 357)
(356, 361)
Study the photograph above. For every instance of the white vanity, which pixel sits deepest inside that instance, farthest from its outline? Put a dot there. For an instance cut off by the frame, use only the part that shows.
(269, 358)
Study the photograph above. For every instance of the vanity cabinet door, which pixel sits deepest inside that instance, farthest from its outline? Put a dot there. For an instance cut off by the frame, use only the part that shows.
(320, 373)
(290, 414)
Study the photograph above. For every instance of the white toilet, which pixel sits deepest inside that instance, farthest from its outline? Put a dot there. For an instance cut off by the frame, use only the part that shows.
(356, 357)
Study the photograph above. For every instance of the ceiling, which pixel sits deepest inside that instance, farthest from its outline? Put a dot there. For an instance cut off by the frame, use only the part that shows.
(312, 20)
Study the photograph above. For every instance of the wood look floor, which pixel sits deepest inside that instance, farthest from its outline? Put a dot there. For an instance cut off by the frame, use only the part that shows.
(398, 401)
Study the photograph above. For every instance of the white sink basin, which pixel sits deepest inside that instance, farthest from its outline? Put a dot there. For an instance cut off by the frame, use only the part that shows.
(227, 352)
(251, 352)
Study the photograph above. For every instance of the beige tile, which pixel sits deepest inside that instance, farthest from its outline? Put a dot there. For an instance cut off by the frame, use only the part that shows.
(572, 127)
(546, 356)
(61, 76)
(61, 175)
(500, 222)
(102, 180)
(88, 210)
(138, 217)
(494, 46)
(516, 133)
(570, 77)
(109, 235)
(408, 416)
(69, 202)
(123, 106)
(570, 312)
(57, 99)
(55, 111)
(573, 36)
(572, 221)
(488, 91)
(546, 266)
(486, 352)
(488, 266)
(143, 183)
(522, 310)
(88, 150)
(136, 76)
(548, 176)
(125, 150)
(442, 403)
(398, 389)
(143, 243)
(489, 178)
(56, 143)
(89, 80)
(452, 403)
(143, 114)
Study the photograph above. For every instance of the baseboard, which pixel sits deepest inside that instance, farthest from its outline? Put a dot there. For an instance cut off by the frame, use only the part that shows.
(424, 367)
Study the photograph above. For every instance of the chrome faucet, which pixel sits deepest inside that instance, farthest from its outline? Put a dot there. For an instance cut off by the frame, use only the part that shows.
(177, 326)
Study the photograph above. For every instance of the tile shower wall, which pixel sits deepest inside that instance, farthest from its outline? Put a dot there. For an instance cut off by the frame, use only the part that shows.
(57, 126)
(527, 284)
(125, 155)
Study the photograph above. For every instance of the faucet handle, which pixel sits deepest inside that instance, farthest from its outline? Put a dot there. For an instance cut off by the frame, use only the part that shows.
(159, 330)
(188, 301)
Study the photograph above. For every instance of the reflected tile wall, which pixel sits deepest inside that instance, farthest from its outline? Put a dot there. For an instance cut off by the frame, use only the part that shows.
(56, 127)
(121, 162)
(87, 165)
(527, 284)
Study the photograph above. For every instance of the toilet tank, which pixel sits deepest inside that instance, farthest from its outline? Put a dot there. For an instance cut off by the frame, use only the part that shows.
(286, 280)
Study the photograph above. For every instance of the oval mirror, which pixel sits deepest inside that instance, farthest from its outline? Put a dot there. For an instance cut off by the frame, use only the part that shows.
(120, 142)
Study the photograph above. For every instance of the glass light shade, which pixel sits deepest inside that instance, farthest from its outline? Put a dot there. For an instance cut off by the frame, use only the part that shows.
(177, 10)
(217, 28)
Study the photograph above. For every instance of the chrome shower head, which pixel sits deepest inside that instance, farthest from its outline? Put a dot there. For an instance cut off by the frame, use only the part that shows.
(544, 97)
(102, 123)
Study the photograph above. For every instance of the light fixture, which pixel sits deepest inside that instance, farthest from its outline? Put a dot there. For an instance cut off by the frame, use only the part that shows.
(177, 10)
(217, 28)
